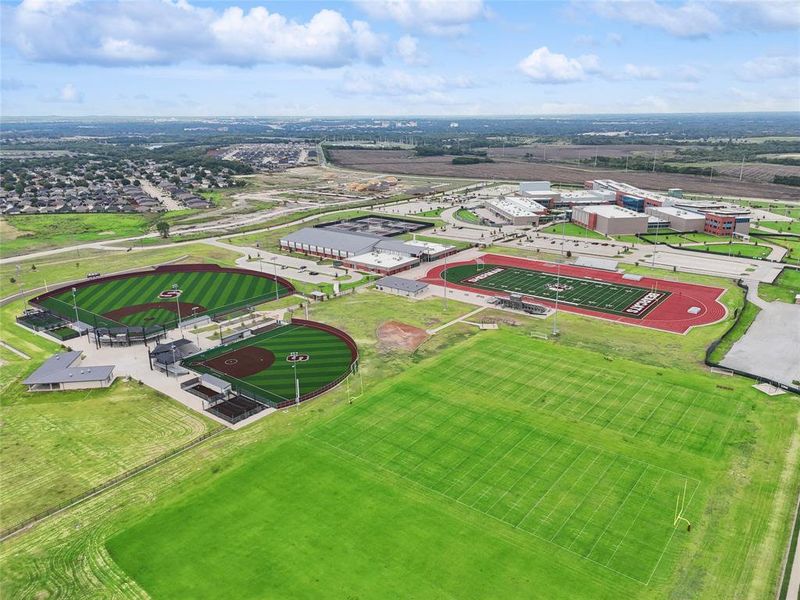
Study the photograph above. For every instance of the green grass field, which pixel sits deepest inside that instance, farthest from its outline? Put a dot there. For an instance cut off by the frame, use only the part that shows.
(785, 287)
(736, 249)
(215, 291)
(329, 358)
(468, 477)
(609, 298)
(782, 226)
(574, 230)
(468, 216)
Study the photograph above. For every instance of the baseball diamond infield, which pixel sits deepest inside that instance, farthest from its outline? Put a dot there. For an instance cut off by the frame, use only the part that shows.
(648, 302)
(157, 297)
(264, 366)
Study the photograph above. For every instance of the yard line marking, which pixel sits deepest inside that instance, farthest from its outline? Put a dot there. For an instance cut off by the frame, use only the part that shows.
(585, 497)
(501, 459)
(674, 529)
(616, 512)
(371, 471)
(636, 518)
(552, 485)
(597, 507)
(675, 426)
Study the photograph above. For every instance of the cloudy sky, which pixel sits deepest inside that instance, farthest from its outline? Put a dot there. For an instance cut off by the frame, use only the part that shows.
(397, 57)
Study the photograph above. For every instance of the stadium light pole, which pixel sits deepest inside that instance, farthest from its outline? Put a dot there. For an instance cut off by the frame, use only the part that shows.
(75, 304)
(275, 270)
(296, 381)
(178, 307)
(445, 283)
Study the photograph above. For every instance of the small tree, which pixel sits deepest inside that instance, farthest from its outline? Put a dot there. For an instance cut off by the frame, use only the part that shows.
(163, 229)
(33, 267)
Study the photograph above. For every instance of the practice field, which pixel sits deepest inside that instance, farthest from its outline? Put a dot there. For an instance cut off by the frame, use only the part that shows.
(667, 305)
(599, 295)
(148, 299)
(465, 477)
(265, 365)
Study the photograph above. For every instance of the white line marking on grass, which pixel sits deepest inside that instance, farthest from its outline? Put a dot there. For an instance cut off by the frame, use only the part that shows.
(585, 497)
(636, 518)
(501, 459)
(659, 405)
(601, 398)
(552, 485)
(525, 474)
(675, 426)
(642, 404)
(619, 508)
(658, 562)
(569, 489)
(482, 458)
(535, 481)
(597, 507)
(597, 418)
(371, 471)
(466, 458)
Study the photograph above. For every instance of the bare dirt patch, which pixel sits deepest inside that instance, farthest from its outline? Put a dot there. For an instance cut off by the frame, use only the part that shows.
(393, 335)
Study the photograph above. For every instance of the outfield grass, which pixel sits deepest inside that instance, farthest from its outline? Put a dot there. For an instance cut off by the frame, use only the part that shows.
(469, 477)
(75, 266)
(784, 289)
(574, 230)
(39, 232)
(329, 358)
(212, 290)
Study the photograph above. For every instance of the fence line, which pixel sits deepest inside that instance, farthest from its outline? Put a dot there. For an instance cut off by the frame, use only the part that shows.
(14, 529)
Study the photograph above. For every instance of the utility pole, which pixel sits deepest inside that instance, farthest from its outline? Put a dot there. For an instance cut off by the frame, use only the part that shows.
(741, 170)
(178, 307)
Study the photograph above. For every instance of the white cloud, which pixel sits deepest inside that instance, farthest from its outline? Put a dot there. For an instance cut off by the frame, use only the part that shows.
(770, 67)
(544, 66)
(702, 18)
(641, 72)
(689, 20)
(436, 17)
(691, 73)
(68, 94)
(407, 48)
(614, 38)
(149, 32)
(400, 83)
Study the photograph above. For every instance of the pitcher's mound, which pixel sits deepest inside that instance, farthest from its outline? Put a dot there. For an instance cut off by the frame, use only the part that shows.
(394, 335)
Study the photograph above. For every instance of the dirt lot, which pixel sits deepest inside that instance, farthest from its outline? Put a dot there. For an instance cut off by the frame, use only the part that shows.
(577, 151)
(394, 335)
(401, 161)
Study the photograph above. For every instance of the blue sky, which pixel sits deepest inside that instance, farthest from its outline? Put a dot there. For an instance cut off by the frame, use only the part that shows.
(398, 57)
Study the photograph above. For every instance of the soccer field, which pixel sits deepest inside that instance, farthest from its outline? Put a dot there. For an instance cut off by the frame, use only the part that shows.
(328, 358)
(144, 299)
(611, 298)
(576, 464)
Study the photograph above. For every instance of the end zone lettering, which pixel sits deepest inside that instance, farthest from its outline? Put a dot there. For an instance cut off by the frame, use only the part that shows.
(643, 303)
(477, 278)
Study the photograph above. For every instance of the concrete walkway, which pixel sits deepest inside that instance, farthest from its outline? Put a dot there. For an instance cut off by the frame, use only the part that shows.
(454, 321)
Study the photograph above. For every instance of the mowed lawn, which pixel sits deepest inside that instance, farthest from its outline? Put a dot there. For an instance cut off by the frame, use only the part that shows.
(611, 298)
(504, 467)
(213, 290)
(736, 249)
(574, 230)
(329, 358)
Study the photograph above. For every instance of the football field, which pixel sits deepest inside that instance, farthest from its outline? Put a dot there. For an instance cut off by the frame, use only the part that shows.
(612, 298)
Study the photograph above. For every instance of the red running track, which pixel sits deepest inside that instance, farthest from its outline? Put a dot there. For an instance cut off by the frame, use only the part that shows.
(671, 315)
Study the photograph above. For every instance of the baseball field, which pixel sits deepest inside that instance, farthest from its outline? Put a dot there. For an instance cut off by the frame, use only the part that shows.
(157, 297)
(268, 364)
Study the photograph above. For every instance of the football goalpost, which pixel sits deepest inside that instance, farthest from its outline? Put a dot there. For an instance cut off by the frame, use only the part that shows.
(680, 506)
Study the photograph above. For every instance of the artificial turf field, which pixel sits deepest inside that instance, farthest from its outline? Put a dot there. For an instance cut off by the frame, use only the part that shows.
(466, 476)
(611, 298)
(214, 291)
(329, 357)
